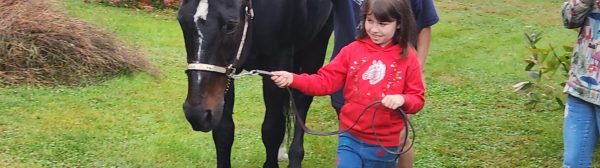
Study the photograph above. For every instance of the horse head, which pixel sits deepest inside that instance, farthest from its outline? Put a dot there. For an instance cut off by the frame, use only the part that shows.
(215, 32)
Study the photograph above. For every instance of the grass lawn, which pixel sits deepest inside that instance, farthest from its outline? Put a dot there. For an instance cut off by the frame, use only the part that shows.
(471, 118)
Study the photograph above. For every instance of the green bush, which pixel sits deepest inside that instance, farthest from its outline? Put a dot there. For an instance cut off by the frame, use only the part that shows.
(542, 66)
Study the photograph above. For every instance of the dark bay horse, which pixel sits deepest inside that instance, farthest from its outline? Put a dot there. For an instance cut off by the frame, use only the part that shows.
(223, 37)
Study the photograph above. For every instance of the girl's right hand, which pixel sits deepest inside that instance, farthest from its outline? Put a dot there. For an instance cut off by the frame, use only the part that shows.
(282, 78)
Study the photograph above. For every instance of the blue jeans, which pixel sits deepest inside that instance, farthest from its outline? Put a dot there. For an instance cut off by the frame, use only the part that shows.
(354, 153)
(580, 132)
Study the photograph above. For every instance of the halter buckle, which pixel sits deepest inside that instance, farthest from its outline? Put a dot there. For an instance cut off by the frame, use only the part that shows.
(230, 71)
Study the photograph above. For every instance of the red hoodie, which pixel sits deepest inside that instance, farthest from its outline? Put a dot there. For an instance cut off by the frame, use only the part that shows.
(368, 72)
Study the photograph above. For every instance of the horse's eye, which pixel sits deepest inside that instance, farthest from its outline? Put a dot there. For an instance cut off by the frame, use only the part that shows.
(201, 21)
(230, 26)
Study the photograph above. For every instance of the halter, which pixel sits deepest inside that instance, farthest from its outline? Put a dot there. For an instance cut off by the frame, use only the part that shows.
(230, 69)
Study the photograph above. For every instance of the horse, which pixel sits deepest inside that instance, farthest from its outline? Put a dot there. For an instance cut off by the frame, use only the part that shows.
(224, 37)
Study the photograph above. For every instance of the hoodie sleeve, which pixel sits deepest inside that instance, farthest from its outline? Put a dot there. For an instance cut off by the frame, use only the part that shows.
(574, 12)
(414, 92)
(328, 79)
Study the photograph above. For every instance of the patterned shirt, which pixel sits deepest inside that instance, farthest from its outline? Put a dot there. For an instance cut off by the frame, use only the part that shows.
(583, 75)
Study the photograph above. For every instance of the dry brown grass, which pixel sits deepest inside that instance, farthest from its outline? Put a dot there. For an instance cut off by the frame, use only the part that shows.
(41, 46)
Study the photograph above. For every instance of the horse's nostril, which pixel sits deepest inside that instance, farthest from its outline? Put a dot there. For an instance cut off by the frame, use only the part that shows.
(208, 115)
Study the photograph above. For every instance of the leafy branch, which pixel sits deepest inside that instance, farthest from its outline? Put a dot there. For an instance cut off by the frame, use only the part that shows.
(542, 66)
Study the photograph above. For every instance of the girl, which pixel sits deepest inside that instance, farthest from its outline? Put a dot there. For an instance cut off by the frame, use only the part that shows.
(379, 66)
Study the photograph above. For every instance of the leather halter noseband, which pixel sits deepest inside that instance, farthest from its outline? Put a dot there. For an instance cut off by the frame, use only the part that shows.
(230, 69)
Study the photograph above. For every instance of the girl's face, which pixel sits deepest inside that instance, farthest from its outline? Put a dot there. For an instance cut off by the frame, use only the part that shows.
(381, 33)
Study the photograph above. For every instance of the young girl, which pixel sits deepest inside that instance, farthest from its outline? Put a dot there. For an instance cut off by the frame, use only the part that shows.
(379, 66)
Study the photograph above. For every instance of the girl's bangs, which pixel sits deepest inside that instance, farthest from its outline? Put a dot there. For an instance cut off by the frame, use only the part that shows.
(382, 11)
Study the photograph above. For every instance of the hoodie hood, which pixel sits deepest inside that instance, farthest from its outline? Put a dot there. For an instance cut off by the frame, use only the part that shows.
(375, 47)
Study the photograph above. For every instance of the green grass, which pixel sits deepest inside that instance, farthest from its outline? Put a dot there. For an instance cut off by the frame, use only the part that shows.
(471, 118)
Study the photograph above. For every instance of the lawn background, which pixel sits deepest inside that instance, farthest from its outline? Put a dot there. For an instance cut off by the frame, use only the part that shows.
(471, 118)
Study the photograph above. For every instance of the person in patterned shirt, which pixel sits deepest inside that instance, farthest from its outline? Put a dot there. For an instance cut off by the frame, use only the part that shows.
(582, 112)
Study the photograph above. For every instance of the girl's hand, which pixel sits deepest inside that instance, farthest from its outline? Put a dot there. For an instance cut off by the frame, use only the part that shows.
(282, 78)
(393, 101)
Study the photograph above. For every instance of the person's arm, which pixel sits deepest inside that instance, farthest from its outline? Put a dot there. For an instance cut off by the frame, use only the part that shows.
(327, 80)
(412, 97)
(574, 12)
(330, 78)
(426, 18)
(414, 91)
(423, 41)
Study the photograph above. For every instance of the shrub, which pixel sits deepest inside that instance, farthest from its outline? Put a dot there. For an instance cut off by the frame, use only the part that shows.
(47, 48)
(542, 66)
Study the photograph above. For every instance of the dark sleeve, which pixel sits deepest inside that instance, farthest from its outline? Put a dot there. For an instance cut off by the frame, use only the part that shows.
(425, 13)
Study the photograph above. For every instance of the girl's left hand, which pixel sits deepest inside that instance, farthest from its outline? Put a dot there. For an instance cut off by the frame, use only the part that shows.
(393, 101)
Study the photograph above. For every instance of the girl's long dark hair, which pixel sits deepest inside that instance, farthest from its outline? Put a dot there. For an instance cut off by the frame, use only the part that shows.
(389, 11)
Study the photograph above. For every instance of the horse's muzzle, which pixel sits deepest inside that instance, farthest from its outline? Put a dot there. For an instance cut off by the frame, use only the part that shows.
(201, 119)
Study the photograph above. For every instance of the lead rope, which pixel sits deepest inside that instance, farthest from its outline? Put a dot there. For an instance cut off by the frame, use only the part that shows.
(295, 109)
(405, 119)
(407, 125)
(320, 133)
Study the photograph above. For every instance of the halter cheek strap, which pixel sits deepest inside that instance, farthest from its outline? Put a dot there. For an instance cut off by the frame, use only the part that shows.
(229, 70)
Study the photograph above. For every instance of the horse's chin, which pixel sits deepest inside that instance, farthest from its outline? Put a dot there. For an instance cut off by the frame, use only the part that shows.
(201, 119)
(202, 127)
